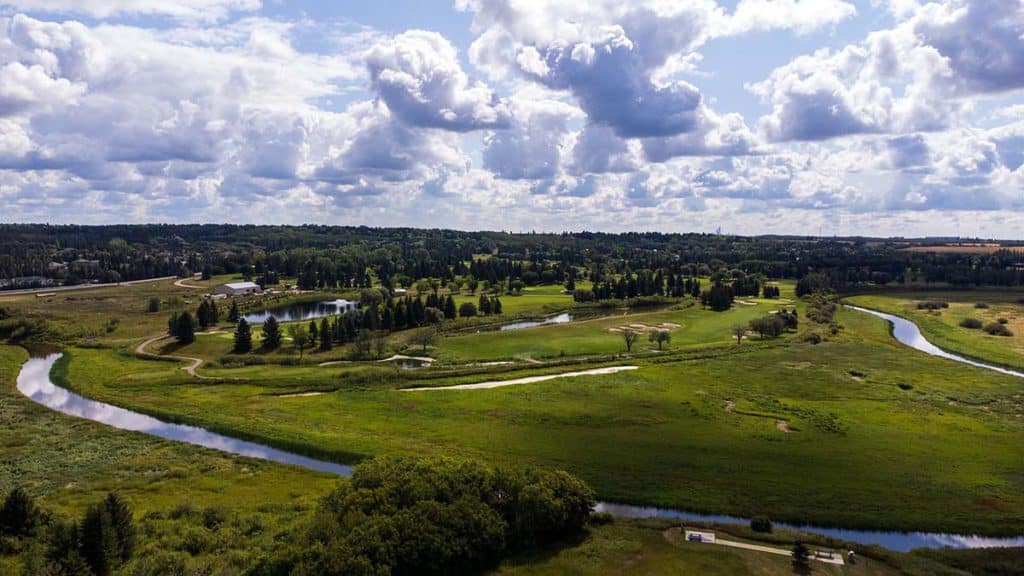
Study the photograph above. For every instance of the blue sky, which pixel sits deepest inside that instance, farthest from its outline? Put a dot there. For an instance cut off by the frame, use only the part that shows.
(875, 117)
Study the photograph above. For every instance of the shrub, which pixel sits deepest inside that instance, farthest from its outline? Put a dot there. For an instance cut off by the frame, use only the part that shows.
(761, 524)
(812, 338)
(154, 305)
(1003, 321)
(905, 386)
(971, 323)
(997, 329)
(932, 305)
(601, 518)
(981, 305)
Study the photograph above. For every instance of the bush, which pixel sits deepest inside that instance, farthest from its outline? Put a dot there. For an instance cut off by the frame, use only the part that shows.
(761, 524)
(812, 338)
(997, 329)
(154, 305)
(1003, 321)
(971, 323)
(905, 386)
(932, 305)
(981, 305)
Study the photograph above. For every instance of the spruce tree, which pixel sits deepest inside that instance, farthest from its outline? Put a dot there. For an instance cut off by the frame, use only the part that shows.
(172, 324)
(234, 314)
(325, 336)
(450, 312)
(98, 541)
(203, 314)
(243, 338)
(185, 330)
(313, 333)
(271, 334)
(122, 523)
(495, 306)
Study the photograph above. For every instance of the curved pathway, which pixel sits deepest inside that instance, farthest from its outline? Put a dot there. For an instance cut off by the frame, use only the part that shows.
(182, 283)
(194, 363)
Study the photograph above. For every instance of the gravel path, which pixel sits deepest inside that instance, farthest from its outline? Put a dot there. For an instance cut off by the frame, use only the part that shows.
(527, 380)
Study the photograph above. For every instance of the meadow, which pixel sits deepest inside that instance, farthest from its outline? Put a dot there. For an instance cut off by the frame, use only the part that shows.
(856, 432)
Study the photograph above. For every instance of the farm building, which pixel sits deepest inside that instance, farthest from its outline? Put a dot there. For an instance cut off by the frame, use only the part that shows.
(237, 289)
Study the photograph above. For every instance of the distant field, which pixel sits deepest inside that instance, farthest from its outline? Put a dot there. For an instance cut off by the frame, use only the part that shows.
(942, 327)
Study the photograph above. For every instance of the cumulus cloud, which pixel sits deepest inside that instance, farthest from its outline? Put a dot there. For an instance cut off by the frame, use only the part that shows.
(906, 79)
(532, 147)
(418, 75)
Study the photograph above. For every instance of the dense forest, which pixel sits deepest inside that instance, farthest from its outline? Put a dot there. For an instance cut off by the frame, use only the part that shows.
(617, 265)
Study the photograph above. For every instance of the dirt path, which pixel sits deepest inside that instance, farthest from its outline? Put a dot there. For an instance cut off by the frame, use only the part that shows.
(194, 363)
(837, 560)
(182, 283)
(527, 380)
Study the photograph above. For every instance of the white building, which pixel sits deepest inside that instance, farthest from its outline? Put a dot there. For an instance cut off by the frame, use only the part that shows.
(237, 289)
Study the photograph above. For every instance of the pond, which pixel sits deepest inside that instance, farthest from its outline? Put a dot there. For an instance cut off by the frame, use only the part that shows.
(560, 319)
(35, 383)
(300, 311)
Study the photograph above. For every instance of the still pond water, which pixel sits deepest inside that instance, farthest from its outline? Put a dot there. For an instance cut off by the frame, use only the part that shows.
(296, 312)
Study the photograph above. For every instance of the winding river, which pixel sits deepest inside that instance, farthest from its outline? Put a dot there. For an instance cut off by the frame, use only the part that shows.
(35, 383)
(908, 333)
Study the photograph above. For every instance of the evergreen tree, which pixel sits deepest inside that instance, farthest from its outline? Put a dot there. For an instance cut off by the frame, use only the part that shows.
(122, 523)
(325, 336)
(484, 305)
(98, 541)
(495, 306)
(271, 334)
(203, 314)
(450, 312)
(313, 333)
(172, 324)
(185, 329)
(243, 338)
(214, 312)
(18, 515)
(234, 314)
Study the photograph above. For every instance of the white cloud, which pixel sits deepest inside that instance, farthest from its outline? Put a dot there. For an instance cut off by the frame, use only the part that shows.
(195, 10)
(418, 75)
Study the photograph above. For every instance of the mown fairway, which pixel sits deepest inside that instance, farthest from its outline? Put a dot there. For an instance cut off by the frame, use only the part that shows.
(940, 453)
(942, 327)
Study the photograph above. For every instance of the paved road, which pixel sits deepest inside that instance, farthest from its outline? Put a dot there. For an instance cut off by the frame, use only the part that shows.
(79, 287)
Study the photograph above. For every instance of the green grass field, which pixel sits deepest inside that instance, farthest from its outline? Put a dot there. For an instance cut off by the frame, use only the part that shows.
(942, 327)
(942, 455)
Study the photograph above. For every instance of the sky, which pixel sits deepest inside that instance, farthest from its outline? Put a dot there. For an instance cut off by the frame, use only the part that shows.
(816, 117)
